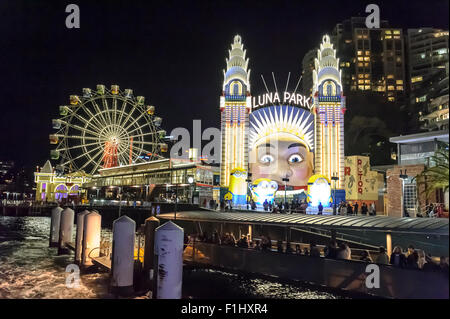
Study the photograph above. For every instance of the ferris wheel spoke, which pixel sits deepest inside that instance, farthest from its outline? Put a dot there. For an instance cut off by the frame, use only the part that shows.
(82, 129)
(84, 154)
(78, 137)
(106, 109)
(87, 122)
(139, 128)
(115, 110)
(92, 159)
(137, 154)
(124, 158)
(76, 146)
(134, 107)
(100, 113)
(122, 111)
(94, 118)
(135, 121)
(95, 167)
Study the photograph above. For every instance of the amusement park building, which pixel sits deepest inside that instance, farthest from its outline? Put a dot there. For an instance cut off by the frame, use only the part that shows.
(156, 181)
(50, 187)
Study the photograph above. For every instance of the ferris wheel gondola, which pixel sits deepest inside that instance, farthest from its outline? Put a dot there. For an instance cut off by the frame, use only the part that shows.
(106, 128)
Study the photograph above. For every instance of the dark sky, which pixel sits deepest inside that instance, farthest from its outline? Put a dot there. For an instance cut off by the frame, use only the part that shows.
(171, 52)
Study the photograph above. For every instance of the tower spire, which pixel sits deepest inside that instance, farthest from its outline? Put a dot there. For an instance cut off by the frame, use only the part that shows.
(235, 106)
(237, 63)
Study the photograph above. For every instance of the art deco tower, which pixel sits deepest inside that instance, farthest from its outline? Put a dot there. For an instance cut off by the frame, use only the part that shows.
(235, 106)
(329, 107)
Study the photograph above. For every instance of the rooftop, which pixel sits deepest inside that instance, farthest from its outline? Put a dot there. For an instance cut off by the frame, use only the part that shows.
(429, 226)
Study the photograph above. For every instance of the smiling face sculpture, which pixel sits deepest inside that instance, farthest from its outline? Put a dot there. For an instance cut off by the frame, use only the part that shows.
(281, 144)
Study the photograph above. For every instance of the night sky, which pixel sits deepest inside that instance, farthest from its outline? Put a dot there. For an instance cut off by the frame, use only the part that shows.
(171, 52)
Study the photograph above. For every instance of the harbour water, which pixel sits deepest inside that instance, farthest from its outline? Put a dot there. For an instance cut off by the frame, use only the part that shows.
(30, 269)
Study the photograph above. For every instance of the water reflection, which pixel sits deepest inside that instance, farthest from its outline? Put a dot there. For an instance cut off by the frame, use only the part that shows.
(30, 269)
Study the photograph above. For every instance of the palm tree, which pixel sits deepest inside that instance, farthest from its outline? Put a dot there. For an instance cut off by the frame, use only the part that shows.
(436, 177)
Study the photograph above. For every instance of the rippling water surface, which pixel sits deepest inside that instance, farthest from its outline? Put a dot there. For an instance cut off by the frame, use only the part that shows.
(30, 269)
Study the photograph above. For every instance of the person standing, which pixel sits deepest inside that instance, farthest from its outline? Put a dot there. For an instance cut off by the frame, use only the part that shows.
(266, 205)
(320, 207)
(373, 210)
(356, 208)
(364, 209)
(397, 258)
(349, 209)
(382, 257)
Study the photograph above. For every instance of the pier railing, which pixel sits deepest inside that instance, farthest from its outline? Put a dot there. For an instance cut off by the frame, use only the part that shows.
(340, 274)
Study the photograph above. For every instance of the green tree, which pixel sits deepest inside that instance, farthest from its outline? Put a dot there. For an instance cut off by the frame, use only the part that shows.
(435, 176)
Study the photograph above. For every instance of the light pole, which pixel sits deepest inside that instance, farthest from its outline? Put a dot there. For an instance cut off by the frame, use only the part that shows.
(334, 178)
(285, 180)
(403, 177)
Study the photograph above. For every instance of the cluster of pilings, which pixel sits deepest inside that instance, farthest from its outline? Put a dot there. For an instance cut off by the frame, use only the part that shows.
(163, 251)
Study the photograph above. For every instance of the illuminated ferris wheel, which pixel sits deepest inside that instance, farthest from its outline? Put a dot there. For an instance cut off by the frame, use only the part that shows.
(106, 128)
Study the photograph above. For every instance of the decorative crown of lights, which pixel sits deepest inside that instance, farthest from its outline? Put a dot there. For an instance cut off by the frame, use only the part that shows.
(237, 63)
(282, 119)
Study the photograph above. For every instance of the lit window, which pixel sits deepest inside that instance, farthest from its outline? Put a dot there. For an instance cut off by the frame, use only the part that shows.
(360, 58)
(391, 99)
(399, 82)
(361, 87)
(388, 31)
(366, 75)
(390, 76)
(366, 58)
(360, 75)
(390, 87)
(396, 31)
(416, 79)
(367, 87)
(399, 88)
(367, 52)
(360, 81)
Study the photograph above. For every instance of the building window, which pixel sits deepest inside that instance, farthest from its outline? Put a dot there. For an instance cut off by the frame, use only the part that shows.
(410, 195)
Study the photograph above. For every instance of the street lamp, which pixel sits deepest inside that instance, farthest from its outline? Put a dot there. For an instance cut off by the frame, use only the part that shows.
(403, 176)
(334, 178)
(285, 180)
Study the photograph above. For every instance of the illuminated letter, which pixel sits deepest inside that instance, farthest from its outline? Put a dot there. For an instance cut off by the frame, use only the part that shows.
(286, 97)
(276, 97)
(373, 19)
(213, 145)
(73, 19)
(373, 278)
(180, 150)
(307, 103)
(300, 99)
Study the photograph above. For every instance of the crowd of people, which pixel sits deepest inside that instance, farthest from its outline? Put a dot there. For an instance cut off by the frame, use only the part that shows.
(346, 208)
(433, 211)
(411, 259)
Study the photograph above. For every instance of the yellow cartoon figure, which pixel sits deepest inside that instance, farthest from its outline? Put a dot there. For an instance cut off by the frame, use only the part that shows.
(263, 189)
(237, 191)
